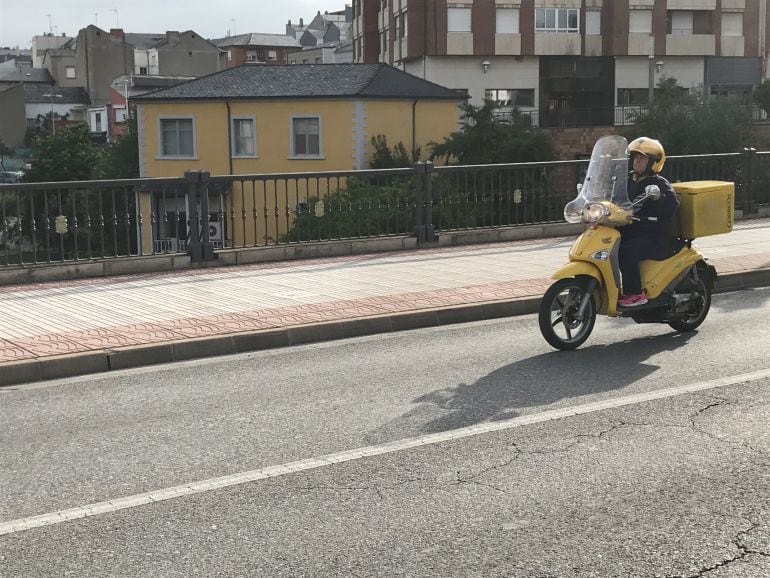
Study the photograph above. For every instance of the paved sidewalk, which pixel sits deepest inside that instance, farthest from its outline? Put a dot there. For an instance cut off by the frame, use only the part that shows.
(68, 328)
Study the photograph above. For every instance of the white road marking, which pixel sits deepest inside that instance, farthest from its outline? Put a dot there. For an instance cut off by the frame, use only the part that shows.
(160, 495)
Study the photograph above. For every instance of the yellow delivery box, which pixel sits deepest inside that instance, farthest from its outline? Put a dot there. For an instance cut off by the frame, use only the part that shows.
(706, 208)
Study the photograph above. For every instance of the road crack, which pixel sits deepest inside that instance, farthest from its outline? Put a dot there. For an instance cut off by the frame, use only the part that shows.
(743, 552)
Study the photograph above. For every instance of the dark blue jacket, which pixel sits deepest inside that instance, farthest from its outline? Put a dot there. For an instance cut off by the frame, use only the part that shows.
(657, 231)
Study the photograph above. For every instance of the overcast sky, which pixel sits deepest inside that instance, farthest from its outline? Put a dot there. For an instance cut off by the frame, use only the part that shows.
(20, 21)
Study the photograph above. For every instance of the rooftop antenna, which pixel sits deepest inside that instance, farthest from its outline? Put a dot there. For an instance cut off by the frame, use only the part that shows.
(233, 21)
(117, 20)
(50, 24)
(96, 19)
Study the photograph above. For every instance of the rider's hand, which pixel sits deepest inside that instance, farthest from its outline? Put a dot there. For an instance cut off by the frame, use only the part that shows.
(652, 191)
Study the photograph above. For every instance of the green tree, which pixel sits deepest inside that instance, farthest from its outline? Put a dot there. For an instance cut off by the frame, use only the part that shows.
(120, 160)
(384, 157)
(68, 155)
(690, 123)
(485, 139)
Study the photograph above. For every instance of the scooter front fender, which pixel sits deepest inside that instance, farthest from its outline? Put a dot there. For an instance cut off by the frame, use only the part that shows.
(577, 268)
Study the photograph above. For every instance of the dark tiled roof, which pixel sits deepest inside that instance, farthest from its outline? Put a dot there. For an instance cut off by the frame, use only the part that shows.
(33, 93)
(143, 41)
(27, 75)
(254, 81)
(256, 39)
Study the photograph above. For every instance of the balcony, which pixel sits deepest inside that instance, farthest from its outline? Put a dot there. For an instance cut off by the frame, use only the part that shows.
(680, 43)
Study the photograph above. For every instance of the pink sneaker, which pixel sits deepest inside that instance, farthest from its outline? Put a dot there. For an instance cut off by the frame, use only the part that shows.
(632, 300)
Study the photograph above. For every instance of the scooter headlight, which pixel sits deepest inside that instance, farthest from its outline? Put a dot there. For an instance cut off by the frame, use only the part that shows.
(594, 212)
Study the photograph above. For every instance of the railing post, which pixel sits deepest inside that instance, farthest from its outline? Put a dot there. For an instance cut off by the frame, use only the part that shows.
(424, 230)
(199, 247)
(747, 186)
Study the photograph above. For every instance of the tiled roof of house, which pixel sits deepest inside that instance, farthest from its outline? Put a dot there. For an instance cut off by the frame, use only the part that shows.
(254, 81)
(34, 93)
(28, 74)
(256, 39)
(144, 41)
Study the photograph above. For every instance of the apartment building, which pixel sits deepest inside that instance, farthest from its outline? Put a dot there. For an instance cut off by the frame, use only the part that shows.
(561, 58)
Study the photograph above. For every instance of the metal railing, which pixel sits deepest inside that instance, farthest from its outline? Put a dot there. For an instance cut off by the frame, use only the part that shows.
(199, 214)
(625, 115)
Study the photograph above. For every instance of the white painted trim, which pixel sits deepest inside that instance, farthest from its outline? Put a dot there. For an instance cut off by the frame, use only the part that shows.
(253, 118)
(160, 155)
(320, 155)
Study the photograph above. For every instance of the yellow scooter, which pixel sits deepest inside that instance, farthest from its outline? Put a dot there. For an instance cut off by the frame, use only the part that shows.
(678, 288)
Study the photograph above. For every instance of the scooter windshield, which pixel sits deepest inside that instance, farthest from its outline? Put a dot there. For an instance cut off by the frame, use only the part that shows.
(606, 178)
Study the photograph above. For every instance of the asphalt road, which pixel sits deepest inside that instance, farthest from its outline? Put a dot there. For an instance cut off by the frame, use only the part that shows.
(489, 455)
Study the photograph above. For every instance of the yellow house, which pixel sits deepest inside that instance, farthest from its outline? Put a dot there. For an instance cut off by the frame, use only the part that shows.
(258, 119)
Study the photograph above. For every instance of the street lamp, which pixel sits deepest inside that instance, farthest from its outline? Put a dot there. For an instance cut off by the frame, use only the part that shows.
(51, 96)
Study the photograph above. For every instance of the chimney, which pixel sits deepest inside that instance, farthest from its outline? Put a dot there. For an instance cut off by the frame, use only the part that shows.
(172, 35)
(117, 33)
(301, 23)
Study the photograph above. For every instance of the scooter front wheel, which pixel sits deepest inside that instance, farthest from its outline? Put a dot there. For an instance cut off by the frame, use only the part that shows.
(559, 322)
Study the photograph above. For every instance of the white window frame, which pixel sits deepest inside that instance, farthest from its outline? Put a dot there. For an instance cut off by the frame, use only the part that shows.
(507, 21)
(495, 95)
(234, 137)
(459, 19)
(121, 114)
(70, 72)
(556, 13)
(161, 154)
(292, 141)
(272, 55)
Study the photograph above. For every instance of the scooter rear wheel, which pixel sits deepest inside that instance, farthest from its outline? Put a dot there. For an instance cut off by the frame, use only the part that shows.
(558, 314)
(698, 311)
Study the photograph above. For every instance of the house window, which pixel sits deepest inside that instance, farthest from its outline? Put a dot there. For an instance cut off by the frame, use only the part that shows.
(507, 20)
(556, 20)
(306, 136)
(593, 22)
(458, 19)
(69, 72)
(681, 22)
(121, 115)
(633, 96)
(177, 137)
(739, 94)
(272, 55)
(732, 24)
(143, 70)
(244, 136)
(511, 97)
(318, 60)
(229, 55)
(98, 122)
(640, 21)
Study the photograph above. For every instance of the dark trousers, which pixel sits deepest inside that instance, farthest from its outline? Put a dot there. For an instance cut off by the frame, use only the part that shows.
(631, 252)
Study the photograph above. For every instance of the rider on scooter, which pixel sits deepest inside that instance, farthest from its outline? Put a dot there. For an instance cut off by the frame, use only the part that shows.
(649, 235)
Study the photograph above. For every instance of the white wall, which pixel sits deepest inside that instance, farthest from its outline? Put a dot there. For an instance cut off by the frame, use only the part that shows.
(466, 72)
(633, 71)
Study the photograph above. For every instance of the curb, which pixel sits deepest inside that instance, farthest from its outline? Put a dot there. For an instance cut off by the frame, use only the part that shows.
(59, 367)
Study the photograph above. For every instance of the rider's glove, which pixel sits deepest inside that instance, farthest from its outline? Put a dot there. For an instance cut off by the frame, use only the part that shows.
(652, 192)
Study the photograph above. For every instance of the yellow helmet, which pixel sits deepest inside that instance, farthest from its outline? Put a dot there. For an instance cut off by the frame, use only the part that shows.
(650, 148)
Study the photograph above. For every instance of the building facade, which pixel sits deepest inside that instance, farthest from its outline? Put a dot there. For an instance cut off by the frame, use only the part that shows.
(556, 59)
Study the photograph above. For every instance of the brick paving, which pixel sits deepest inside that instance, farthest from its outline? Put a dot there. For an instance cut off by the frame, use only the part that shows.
(60, 318)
